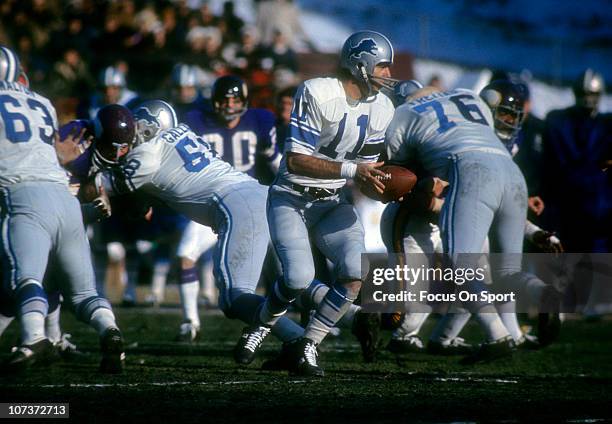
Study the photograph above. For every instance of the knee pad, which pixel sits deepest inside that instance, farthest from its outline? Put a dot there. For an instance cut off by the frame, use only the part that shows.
(350, 267)
(85, 309)
(298, 277)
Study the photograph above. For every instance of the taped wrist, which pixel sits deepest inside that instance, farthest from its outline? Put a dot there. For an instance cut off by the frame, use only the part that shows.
(348, 170)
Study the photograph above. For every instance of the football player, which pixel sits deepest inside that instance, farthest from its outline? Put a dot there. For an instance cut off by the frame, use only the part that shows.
(337, 127)
(245, 138)
(466, 149)
(41, 218)
(179, 168)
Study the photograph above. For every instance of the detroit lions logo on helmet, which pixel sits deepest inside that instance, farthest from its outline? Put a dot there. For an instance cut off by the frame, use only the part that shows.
(147, 125)
(365, 46)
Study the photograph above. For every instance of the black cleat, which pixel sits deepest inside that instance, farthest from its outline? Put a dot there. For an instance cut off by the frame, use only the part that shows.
(113, 356)
(188, 333)
(456, 346)
(303, 358)
(67, 350)
(405, 344)
(366, 327)
(528, 342)
(39, 354)
(249, 342)
(283, 361)
(487, 352)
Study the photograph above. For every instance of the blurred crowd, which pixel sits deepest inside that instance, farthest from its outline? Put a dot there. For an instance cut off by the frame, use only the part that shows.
(64, 46)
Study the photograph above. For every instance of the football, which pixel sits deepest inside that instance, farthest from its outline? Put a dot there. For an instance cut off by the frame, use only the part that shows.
(400, 182)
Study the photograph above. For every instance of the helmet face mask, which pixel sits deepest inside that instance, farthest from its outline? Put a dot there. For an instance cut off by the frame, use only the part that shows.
(506, 100)
(114, 132)
(362, 52)
(151, 118)
(229, 98)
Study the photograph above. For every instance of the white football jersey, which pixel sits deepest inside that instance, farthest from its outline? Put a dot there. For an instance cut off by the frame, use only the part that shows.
(325, 125)
(28, 123)
(433, 128)
(177, 167)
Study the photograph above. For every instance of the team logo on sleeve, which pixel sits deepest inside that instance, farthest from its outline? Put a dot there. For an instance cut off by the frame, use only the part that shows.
(147, 124)
(365, 46)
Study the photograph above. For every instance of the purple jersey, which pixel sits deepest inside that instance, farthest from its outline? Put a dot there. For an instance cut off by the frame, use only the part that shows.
(253, 139)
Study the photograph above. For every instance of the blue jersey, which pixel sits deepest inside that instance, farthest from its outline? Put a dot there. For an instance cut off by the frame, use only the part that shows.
(252, 140)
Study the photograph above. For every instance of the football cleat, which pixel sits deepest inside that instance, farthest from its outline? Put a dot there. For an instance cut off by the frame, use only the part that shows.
(66, 349)
(528, 342)
(113, 356)
(456, 346)
(249, 342)
(39, 354)
(188, 332)
(401, 345)
(283, 361)
(366, 327)
(490, 351)
(303, 358)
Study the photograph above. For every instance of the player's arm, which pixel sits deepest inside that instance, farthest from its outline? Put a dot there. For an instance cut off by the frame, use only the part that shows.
(310, 166)
(136, 171)
(304, 135)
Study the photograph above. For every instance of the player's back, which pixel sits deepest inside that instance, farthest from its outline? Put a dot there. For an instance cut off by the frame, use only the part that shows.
(27, 128)
(435, 127)
(181, 169)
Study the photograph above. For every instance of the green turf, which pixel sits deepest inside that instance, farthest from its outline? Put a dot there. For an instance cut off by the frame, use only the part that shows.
(571, 380)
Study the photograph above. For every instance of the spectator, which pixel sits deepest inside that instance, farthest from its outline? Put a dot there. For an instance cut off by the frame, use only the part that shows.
(113, 89)
(279, 53)
(70, 77)
(280, 15)
(230, 24)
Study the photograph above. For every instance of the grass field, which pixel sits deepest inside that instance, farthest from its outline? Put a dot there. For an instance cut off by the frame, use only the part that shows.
(570, 381)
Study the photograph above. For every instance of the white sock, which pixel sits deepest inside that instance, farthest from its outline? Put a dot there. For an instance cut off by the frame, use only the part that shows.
(347, 319)
(160, 276)
(411, 324)
(449, 327)
(189, 301)
(102, 319)
(491, 323)
(507, 313)
(52, 326)
(32, 328)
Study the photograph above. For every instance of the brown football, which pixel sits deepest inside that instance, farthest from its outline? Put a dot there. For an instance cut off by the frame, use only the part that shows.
(400, 183)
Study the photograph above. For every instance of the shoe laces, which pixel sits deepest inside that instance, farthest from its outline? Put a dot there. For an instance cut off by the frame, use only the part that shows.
(310, 353)
(64, 343)
(256, 337)
(411, 339)
(457, 341)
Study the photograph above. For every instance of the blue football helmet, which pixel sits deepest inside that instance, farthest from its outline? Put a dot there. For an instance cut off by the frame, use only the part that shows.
(361, 53)
(10, 69)
(153, 117)
(184, 76)
(403, 90)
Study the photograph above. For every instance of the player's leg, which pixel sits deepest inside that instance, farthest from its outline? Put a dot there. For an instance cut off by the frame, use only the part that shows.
(466, 218)
(290, 239)
(26, 227)
(74, 259)
(195, 240)
(239, 258)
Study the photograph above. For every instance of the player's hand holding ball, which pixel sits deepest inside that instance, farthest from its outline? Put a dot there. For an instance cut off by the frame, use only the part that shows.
(391, 182)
